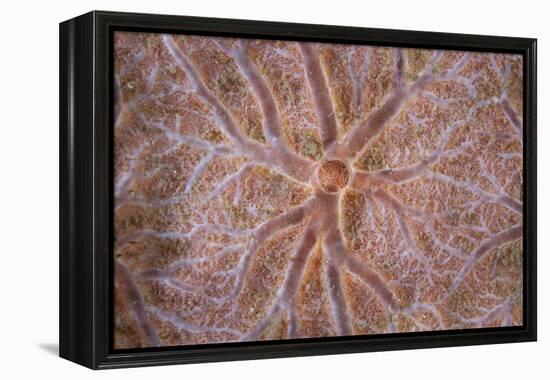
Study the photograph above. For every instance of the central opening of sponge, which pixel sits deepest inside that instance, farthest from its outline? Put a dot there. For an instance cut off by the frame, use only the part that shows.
(333, 175)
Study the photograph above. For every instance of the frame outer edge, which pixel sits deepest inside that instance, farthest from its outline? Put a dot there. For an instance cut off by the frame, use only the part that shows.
(66, 324)
(76, 196)
(531, 195)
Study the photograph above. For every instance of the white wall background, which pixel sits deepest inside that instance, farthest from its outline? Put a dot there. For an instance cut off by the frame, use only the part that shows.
(29, 186)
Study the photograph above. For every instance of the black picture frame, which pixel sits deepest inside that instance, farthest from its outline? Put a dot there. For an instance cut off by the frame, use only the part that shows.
(86, 183)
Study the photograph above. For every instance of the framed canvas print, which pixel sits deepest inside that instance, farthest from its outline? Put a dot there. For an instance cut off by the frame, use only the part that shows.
(239, 189)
